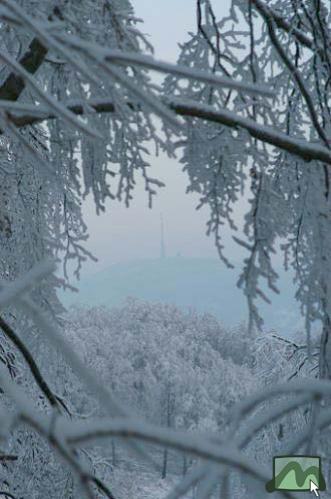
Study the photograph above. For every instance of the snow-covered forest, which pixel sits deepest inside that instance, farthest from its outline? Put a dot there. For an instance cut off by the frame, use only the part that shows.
(148, 399)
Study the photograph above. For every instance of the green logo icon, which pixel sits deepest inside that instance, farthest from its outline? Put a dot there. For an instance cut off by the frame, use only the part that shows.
(297, 473)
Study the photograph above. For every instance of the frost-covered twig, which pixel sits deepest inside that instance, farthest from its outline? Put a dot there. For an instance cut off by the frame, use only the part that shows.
(313, 387)
(79, 433)
(44, 36)
(265, 133)
(46, 427)
(197, 474)
(5, 494)
(9, 292)
(298, 78)
(149, 62)
(28, 357)
(302, 148)
(56, 106)
(267, 417)
(90, 431)
(281, 22)
(112, 405)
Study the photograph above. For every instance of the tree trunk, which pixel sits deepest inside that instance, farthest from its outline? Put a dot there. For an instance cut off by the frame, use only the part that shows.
(165, 463)
(184, 465)
(113, 453)
(165, 452)
(325, 352)
(324, 373)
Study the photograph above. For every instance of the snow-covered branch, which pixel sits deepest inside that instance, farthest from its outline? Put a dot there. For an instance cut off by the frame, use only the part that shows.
(28, 357)
(264, 133)
(148, 62)
(24, 115)
(268, 12)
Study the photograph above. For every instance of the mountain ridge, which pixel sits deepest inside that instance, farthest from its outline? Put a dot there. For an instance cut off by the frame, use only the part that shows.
(201, 283)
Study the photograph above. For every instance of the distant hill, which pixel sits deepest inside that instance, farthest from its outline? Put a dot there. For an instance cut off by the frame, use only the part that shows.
(204, 284)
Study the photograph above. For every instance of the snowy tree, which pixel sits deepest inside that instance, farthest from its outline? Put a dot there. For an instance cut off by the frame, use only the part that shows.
(248, 104)
(162, 361)
(231, 147)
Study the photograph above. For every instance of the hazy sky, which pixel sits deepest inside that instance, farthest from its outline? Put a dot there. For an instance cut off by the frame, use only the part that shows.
(127, 234)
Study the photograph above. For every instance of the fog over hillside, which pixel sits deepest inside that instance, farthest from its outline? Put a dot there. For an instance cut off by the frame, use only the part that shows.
(201, 283)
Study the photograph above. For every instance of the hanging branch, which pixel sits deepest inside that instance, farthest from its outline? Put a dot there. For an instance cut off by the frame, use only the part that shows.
(264, 133)
(28, 357)
(268, 12)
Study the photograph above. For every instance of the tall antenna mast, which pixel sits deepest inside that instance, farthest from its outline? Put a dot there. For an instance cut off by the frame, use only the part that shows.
(162, 246)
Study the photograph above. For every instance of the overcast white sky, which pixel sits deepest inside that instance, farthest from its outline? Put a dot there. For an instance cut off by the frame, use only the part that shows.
(127, 234)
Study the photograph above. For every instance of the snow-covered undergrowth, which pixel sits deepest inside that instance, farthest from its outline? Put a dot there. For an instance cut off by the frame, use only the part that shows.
(183, 371)
(153, 394)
